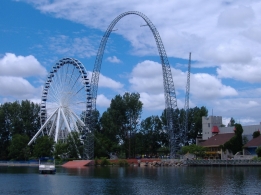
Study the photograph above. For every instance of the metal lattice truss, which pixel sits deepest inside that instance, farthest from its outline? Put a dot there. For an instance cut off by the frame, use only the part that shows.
(185, 129)
(169, 90)
(64, 101)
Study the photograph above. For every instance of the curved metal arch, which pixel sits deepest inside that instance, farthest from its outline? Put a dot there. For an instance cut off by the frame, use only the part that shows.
(169, 90)
(80, 67)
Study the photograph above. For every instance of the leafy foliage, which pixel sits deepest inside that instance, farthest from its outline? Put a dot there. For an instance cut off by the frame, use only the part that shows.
(18, 149)
(194, 149)
(258, 151)
(152, 137)
(60, 150)
(235, 144)
(74, 145)
(43, 147)
(256, 134)
(17, 118)
(120, 121)
(232, 122)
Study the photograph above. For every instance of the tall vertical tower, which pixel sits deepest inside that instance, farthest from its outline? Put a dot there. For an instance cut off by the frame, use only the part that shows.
(208, 123)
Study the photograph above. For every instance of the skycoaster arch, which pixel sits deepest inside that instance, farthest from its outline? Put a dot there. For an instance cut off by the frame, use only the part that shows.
(169, 89)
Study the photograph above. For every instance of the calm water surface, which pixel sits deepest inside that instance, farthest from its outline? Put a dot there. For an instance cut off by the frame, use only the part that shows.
(132, 180)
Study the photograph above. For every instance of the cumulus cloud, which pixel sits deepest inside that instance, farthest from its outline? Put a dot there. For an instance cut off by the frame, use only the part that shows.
(114, 59)
(229, 52)
(17, 87)
(109, 83)
(152, 102)
(253, 33)
(103, 101)
(213, 31)
(236, 17)
(221, 34)
(245, 72)
(209, 87)
(21, 66)
(81, 47)
(147, 77)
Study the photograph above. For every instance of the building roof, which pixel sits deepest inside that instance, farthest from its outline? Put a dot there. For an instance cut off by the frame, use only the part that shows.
(255, 142)
(215, 129)
(217, 140)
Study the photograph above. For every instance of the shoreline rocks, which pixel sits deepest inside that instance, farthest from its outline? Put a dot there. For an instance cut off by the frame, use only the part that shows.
(173, 163)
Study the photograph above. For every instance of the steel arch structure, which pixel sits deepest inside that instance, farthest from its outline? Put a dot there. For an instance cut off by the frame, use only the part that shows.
(169, 90)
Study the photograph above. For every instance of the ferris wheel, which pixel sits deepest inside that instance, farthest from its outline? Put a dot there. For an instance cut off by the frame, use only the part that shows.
(64, 100)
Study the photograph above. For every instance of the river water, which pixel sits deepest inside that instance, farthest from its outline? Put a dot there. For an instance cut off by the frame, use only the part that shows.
(132, 180)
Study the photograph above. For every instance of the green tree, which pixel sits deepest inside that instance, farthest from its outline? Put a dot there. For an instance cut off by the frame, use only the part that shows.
(256, 134)
(194, 120)
(120, 121)
(194, 149)
(75, 145)
(18, 149)
(60, 150)
(235, 144)
(17, 118)
(43, 147)
(231, 122)
(154, 137)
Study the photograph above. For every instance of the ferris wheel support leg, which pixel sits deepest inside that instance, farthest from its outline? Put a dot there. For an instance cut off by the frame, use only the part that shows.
(57, 126)
(52, 127)
(82, 123)
(41, 129)
(69, 129)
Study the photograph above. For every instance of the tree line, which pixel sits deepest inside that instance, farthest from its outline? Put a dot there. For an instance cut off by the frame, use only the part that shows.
(118, 131)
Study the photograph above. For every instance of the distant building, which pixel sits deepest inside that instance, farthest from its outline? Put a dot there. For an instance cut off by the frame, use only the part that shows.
(214, 143)
(213, 124)
(214, 135)
(251, 146)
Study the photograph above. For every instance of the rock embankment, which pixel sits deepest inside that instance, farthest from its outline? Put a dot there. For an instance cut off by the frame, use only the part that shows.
(172, 163)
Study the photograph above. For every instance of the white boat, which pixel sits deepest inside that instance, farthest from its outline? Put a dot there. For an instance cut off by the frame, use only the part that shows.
(47, 165)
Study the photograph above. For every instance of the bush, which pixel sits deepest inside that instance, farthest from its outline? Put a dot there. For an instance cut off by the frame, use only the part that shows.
(96, 162)
(257, 158)
(258, 151)
(123, 163)
(105, 161)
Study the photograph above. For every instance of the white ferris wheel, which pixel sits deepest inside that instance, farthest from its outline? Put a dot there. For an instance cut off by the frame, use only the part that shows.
(64, 100)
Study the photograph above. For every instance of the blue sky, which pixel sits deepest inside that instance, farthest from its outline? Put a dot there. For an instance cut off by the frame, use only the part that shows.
(223, 36)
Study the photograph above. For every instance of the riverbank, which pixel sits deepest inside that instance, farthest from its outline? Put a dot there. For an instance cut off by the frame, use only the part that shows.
(19, 164)
(219, 162)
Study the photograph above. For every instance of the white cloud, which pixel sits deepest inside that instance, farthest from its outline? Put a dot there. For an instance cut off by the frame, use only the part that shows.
(229, 53)
(81, 47)
(109, 83)
(253, 33)
(209, 87)
(103, 101)
(222, 34)
(213, 31)
(20, 66)
(245, 72)
(17, 87)
(114, 59)
(236, 17)
(152, 102)
(147, 77)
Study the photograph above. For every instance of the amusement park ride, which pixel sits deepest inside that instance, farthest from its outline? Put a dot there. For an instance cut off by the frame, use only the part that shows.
(68, 88)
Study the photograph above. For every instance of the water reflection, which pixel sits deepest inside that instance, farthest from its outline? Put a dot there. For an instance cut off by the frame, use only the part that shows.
(132, 180)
